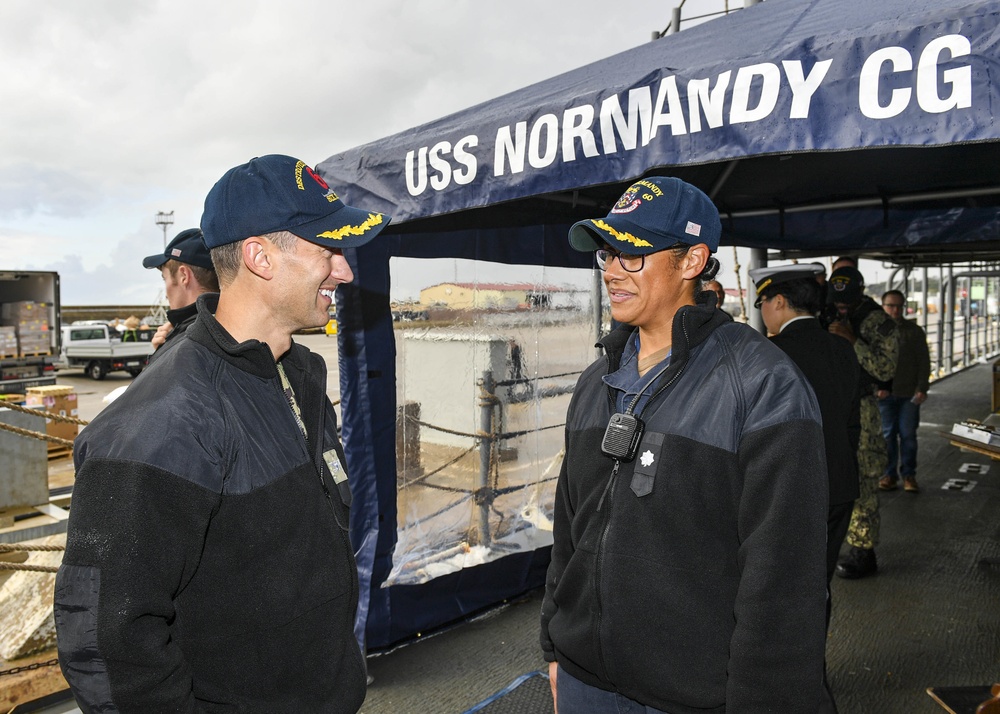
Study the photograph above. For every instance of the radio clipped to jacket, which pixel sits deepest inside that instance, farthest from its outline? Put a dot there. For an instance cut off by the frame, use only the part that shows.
(621, 438)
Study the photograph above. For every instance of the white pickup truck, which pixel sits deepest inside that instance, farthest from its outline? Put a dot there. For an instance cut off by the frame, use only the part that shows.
(99, 350)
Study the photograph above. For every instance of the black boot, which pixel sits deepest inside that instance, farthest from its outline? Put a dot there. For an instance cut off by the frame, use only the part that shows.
(858, 563)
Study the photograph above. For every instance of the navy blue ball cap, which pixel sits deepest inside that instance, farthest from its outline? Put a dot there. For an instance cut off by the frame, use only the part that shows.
(275, 193)
(188, 246)
(653, 214)
(847, 285)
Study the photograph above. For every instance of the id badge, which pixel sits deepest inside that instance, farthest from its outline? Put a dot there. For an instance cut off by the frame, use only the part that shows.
(339, 473)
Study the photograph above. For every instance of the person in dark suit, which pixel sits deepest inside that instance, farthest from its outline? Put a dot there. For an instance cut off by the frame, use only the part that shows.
(789, 298)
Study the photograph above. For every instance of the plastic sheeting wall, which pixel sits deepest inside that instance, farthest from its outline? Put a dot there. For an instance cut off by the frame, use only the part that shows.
(453, 427)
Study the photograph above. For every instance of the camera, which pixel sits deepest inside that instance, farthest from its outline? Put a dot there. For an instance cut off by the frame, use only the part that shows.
(829, 314)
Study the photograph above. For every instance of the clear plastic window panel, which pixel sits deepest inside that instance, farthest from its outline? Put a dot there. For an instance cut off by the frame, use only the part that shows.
(487, 358)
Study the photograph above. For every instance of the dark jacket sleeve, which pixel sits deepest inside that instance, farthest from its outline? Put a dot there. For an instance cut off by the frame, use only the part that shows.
(777, 646)
(562, 550)
(134, 541)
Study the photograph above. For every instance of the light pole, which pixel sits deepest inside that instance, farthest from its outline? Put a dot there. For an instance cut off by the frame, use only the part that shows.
(165, 220)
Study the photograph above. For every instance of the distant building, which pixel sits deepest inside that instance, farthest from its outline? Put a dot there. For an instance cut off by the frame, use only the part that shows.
(495, 296)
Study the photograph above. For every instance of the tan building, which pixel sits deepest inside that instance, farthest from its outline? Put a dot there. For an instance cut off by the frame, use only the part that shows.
(486, 296)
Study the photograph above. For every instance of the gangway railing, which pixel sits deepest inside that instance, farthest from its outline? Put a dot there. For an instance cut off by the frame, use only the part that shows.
(494, 396)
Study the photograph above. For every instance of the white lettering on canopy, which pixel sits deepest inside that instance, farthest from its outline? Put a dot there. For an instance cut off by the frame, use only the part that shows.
(927, 82)
(613, 120)
(539, 155)
(436, 158)
(804, 87)
(576, 125)
(740, 112)
(699, 95)
(753, 93)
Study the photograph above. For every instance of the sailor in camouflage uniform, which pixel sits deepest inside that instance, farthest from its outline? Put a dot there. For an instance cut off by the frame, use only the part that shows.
(876, 344)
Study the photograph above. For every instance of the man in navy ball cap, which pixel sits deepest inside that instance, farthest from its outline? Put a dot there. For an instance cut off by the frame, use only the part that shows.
(186, 267)
(690, 513)
(208, 565)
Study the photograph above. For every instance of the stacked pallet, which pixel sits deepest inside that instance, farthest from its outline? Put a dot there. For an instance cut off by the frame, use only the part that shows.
(8, 341)
(32, 328)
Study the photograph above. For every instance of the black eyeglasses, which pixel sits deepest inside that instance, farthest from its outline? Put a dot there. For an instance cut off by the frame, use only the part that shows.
(760, 301)
(629, 263)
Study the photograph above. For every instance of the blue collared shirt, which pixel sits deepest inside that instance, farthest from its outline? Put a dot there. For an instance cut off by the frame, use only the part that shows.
(626, 380)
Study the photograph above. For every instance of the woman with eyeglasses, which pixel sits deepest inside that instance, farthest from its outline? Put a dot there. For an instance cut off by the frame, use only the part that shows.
(687, 566)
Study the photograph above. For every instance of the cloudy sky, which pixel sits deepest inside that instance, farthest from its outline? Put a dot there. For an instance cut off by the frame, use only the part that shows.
(115, 110)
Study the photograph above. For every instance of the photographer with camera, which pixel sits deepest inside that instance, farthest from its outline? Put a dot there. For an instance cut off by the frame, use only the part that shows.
(690, 517)
(874, 335)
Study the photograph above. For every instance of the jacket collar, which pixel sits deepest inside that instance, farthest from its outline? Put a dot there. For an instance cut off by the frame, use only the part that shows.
(252, 356)
(807, 322)
(692, 326)
(176, 317)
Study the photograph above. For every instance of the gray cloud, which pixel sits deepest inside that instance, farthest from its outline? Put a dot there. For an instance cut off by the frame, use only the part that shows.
(113, 109)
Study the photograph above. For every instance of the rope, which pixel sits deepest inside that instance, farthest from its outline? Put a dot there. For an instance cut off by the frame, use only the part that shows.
(30, 568)
(436, 513)
(528, 380)
(480, 434)
(47, 415)
(514, 434)
(36, 435)
(21, 547)
(420, 479)
(739, 286)
(450, 489)
(477, 435)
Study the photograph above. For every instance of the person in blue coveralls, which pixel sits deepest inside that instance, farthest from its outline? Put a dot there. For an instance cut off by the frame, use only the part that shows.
(687, 570)
(208, 566)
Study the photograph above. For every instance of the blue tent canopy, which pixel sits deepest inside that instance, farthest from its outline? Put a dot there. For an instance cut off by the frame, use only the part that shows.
(817, 128)
(788, 108)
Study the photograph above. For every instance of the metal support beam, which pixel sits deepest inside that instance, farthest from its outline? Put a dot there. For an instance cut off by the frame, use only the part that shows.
(758, 259)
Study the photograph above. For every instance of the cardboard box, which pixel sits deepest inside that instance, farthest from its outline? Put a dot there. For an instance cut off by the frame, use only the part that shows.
(26, 315)
(55, 399)
(8, 341)
(976, 433)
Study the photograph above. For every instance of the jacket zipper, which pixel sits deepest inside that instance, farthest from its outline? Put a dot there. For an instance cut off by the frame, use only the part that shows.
(606, 528)
(316, 454)
(599, 568)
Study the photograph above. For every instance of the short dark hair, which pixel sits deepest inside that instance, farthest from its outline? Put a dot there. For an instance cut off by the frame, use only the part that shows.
(227, 258)
(205, 278)
(897, 293)
(802, 294)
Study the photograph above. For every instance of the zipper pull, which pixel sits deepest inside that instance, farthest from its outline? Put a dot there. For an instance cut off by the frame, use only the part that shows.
(611, 480)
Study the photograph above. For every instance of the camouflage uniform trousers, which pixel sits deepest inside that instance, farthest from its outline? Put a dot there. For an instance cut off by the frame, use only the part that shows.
(872, 461)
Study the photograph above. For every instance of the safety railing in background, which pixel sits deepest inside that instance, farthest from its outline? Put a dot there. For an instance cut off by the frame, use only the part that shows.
(494, 396)
(961, 343)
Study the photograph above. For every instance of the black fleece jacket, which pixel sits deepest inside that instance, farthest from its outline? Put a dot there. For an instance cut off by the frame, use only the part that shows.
(692, 579)
(208, 566)
(182, 318)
